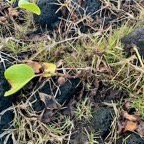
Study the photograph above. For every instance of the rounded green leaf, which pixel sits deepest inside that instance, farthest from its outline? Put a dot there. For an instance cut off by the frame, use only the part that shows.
(18, 76)
(32, 7)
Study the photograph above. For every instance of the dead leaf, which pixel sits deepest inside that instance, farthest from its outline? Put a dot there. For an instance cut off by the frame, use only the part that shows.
(49, 101)
(46, 115)
(70, 109)
(49, 69)
(36, 66)
(130, 117)
(127, 105)
(121, 126)
(140, 128)
(13, 12)
(130, 126)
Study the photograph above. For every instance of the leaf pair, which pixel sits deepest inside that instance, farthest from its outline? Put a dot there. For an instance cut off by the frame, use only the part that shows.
(20, 74)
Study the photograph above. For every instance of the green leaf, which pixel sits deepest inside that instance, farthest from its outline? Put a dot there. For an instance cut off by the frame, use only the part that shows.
(49, 69)
(32, 7)
(18, 76)
(10, 1)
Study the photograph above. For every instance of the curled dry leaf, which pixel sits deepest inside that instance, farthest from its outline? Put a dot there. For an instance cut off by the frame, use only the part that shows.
(36, 66)
(140, 129)
(70, 109)
(130, 117)
(46, 115)
(49, 69)
(13, 12)
(49, 101)
(121, 126)
(128, 105)
(130, 126)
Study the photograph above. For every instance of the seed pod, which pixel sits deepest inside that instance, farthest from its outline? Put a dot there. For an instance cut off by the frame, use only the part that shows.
(3, 19)
(61, 81)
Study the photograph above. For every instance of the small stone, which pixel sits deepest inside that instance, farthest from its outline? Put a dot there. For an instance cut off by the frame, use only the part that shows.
(57, 53)
(3, 19)
(49, 14)
(102, 119)
(61, 81)
(136, 37)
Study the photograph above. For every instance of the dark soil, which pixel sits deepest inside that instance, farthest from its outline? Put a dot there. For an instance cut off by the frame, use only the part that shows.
(6, 118)
(48, 16)
(65, 92)
(102, 119)
(5, 102)
(130, 138)
(97, 15)
(99, 124)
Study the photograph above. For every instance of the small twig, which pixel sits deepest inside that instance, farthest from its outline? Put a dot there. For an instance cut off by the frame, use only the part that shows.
(139, 57)
(8, 55)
